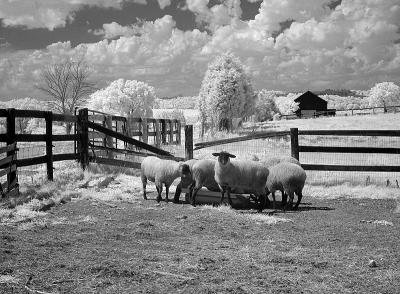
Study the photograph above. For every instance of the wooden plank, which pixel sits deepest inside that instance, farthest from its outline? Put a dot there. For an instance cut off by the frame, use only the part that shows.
(65, 156)
(262, 135)
(49, 144)
(7, 170)
(135, 153)
(29, 113)
(349, 149)
(30, 137)
(171, 131)
(70, 137)
(8, 148)
(128, 140)
(64, 117)
(294, 142)
(189, 142)
(31, 161)
(327, 167)
(6, 160)
(3, 112)
(115, 162)
(386, 133)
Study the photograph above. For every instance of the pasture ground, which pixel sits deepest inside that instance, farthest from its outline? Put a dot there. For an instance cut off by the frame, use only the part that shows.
(102, 244)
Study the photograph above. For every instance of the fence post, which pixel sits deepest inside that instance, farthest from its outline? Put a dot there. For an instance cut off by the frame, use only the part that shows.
(171, 131)
(49, 144)
(294, 142)
(178, 134)
(12, 176)
(158, 134)
(145, 130)
(188, 142)
(163, 131)
(83, 143)
(108, 140)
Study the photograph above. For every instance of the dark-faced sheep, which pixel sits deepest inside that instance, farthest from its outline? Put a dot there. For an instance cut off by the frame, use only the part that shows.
(161, 171)
(240, 175)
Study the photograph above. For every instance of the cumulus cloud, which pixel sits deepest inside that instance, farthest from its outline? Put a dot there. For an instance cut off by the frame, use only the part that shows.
(49, 13)
(353, 45)
(216, 16)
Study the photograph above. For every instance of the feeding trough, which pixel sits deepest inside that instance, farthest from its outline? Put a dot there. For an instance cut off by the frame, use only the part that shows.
(205, 196)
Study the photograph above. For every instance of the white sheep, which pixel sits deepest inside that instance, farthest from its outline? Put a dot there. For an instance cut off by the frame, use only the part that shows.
(161, 171)
(271, 161)
(240, 175)
(203, 176)
(287, 177)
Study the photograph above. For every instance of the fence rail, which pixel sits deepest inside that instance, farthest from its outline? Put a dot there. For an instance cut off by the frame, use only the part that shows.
(297, 146)
(109, 130)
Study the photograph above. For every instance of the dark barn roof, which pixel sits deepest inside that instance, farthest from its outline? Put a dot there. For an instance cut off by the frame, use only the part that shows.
(310, 101)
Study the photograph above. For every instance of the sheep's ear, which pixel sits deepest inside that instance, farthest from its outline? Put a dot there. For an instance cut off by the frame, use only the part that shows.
(231, 155)
(216, 154)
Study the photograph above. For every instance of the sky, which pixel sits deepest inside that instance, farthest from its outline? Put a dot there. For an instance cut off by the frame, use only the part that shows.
(287, 45)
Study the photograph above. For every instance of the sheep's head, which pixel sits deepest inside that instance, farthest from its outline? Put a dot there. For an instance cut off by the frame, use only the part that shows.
(223, 157)
(185, 173)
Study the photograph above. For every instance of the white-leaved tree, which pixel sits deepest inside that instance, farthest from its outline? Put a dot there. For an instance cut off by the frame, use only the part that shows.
(226, 93)
(384, 94)
(124, 97)
(265, 108)
(286, 104)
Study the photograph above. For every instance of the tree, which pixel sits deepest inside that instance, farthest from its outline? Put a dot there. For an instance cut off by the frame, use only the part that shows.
(384, 94)
(286, 104)
(265, 106)
(68, 86)
(226, 92)
(124, 97)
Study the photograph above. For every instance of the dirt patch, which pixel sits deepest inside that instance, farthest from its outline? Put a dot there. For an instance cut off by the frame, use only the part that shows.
(137, 246)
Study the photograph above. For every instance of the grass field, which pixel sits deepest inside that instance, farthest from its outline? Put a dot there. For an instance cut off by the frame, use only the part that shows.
(107, 239)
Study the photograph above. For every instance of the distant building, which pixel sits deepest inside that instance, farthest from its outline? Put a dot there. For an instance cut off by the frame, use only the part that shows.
(311, 105)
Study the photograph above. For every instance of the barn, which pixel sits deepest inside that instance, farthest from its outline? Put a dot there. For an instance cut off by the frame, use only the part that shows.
(311, 105)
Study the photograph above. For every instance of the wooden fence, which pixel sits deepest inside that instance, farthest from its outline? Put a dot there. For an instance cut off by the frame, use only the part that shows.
(348, 112)
(297, 147)
(84, 139)
(8, 164)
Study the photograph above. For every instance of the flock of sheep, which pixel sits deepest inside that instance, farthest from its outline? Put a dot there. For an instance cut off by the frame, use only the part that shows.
(257, 178)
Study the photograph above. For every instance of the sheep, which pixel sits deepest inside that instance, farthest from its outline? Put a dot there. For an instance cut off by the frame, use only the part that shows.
(271, 161)
(248, 176)
(203, 176)
(185, 180)
(161, 171)
(287, 177)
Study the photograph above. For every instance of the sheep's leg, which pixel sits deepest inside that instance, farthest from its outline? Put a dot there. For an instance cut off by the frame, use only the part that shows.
(284, 198)
(159, 191)
(228, 190)
(299, 196)
(266, 203)
(166, 193)
(273, 200)
(222, 195)
(289, 205)
(144, 182)
(178, 192)
(261, 199)
(194, 194)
